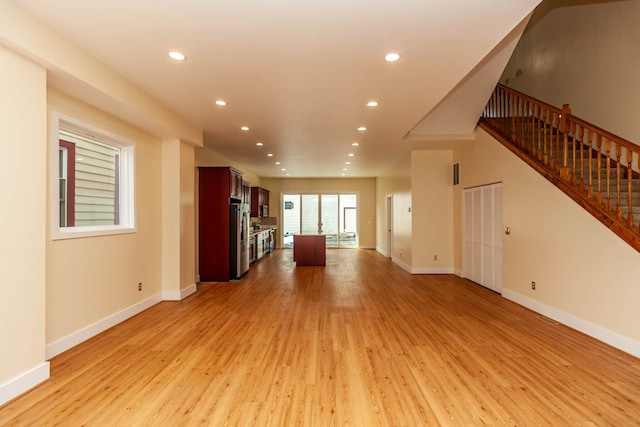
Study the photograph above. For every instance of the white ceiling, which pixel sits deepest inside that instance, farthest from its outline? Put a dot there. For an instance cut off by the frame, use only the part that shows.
(299, 73)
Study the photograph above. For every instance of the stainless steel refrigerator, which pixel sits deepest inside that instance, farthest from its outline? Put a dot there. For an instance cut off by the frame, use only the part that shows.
(239, 240)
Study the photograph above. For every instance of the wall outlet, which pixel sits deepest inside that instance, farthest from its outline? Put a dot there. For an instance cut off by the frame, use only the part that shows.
(533, 285)
(139, 286)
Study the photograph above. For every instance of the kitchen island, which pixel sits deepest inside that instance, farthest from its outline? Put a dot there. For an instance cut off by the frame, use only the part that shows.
(309, 249)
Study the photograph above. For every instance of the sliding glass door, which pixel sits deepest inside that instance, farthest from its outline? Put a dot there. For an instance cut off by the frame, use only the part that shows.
(334, 215)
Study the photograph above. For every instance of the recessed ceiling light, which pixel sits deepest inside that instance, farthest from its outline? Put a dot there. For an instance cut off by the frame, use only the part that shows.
(362, 128)
(283, 169)
(343, 174)
(269, 155)
(244, 128)
(347, 163)
(177, 56)
(345, 169)
(259, 144)
(221, 102)
(277, 163)
(350, 154)
(287, 174)
(372, 104)
(391, 57)
(355, 144)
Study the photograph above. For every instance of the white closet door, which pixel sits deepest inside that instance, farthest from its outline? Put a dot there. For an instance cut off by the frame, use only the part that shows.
(467, 232)
(497, 238)
(476, 274)
(487, 237)
(482, 235)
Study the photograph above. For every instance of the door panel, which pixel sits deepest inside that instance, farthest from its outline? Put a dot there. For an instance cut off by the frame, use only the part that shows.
(482, 235)
(329, 226)
(309, 214)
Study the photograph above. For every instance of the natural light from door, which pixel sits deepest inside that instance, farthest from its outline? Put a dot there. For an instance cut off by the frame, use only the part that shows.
(333, 215)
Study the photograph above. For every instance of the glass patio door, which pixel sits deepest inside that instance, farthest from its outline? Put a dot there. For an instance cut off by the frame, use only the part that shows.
(329, 225)
(333, 215)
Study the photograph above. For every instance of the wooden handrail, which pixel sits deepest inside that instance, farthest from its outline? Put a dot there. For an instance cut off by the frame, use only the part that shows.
(599, 170)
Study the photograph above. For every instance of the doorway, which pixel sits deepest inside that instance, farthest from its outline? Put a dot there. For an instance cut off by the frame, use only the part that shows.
(334, 215)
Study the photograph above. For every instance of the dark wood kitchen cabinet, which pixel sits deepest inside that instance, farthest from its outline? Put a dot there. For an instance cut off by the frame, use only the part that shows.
(259, 202)
(246, 192)
(217, 187)
(235, 184)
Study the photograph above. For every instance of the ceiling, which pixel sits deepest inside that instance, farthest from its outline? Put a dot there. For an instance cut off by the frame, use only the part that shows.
(299, 74)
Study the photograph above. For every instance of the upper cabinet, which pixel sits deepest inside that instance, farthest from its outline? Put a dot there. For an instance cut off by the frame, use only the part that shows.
(246, 192)
(235, 190)
(259, 202)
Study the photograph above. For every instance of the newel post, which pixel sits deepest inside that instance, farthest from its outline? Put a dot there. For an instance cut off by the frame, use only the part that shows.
(565, 172)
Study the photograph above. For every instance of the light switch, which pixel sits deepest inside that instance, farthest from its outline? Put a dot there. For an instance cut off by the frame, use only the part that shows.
(507, 231)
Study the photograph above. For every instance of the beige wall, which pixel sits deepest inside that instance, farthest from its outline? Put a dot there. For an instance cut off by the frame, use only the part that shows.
(584, 53)
(23, 165)
(208, 157)
(364, 187)
(432, 211)
(395, 183)
(91, 278)
(57, 293)
(585, 275)
(178, 218)
(187, 205)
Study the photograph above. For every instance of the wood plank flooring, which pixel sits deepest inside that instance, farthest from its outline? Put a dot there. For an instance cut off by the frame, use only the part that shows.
(358, 342)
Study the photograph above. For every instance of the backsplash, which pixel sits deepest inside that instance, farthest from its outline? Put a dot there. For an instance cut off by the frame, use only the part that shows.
(269, 221)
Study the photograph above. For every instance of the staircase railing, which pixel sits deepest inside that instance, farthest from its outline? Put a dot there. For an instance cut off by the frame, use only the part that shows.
(596, 168)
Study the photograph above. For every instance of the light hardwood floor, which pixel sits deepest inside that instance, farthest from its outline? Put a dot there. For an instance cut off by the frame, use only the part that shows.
(358, 342)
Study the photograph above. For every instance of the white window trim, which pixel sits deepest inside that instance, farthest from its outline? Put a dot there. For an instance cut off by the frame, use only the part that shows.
(127, 185)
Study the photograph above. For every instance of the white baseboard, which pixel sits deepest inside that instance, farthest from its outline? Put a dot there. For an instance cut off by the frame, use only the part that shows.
(402, 265)
(430, 270)
(179, 295)
(381, 252)
(458, 273)
(24, 382)
(367, 247)
(84, 334)
(613, 339)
